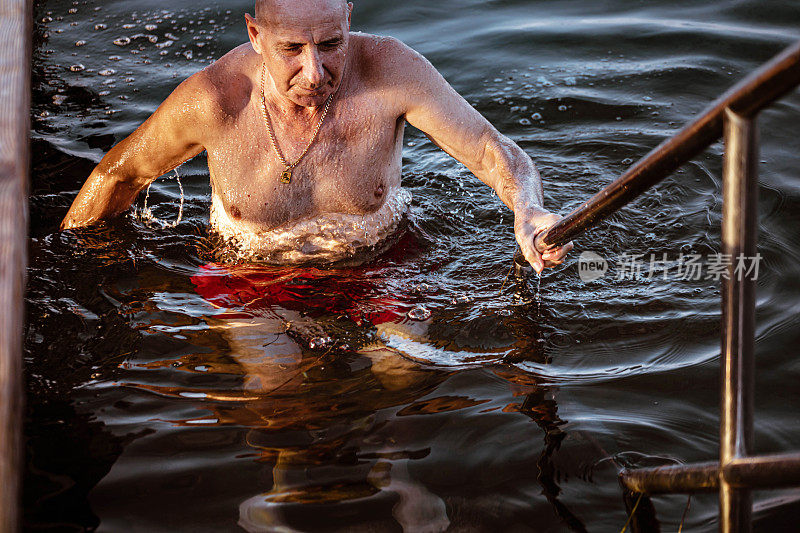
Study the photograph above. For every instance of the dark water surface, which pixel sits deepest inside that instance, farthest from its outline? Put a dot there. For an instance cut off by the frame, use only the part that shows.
(157, 401)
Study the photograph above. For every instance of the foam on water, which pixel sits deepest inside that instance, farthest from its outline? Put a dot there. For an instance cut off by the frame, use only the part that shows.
(328, 237)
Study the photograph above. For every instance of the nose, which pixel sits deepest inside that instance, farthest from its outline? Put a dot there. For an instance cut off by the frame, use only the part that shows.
(312, 67)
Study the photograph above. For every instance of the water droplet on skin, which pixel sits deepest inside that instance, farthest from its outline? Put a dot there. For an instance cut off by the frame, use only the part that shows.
(420, 312)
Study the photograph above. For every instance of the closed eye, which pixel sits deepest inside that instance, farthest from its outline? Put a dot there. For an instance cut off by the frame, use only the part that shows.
(333, 43)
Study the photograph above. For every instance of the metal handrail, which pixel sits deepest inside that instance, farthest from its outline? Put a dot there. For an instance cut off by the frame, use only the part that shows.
(734, 114)
(756, 91)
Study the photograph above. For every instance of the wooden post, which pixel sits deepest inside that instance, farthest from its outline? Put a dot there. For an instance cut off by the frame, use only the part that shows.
(15, 58)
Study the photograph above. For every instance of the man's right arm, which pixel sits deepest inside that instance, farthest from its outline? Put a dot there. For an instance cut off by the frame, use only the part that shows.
(172, 135)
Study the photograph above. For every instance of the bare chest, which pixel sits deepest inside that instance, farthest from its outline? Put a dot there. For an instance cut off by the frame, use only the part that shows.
(349, 167)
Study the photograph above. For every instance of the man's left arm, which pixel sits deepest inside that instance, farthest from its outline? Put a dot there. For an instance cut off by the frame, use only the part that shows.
(435, 108)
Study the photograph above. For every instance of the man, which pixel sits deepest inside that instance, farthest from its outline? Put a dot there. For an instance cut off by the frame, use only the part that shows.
(305, 122)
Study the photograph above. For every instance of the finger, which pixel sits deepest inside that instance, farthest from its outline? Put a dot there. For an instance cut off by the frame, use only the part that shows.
(531, 254)
(534, 258)
(557, 253)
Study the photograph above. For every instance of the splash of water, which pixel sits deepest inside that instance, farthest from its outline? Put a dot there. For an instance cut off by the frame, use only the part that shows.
(538, 295)
(325, 238)
(146, 214)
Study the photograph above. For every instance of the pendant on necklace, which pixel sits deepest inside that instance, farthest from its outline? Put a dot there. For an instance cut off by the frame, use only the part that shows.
(286, 176)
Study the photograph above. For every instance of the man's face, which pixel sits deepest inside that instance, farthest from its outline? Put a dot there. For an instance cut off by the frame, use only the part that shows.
(303, 44)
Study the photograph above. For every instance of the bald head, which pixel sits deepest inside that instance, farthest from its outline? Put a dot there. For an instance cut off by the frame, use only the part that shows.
(303, 46)
(272, 11)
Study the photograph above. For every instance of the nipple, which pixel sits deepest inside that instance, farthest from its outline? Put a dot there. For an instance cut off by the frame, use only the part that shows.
(235, 213)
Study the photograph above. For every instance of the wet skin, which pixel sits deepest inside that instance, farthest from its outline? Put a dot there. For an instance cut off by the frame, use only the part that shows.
(308, 53)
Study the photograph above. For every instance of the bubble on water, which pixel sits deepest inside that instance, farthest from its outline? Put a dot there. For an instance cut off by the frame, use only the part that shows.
(420, 312)
(80, 43)
(72, 11)
(107, 72)
(77, 68)
(165, 44)
(47, 19)
(128, 26)
(562, 108)
(130, 79)
(58, 99)
(461, 299)
(123, 97)
(627, 161)
(504, 312)
(187, 54)
(525, 122)
(151, 27)
(104, 93)
(319, 342)
(122, 41)
(100, 27)
(536, 116)
(114, 58)
(152, 38)
(422, 288)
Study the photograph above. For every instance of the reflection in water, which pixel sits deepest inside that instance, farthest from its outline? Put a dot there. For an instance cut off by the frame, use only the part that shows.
(330, 416)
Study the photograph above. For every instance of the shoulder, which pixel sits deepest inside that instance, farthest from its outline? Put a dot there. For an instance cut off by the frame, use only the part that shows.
(223, 88)
(387, 59)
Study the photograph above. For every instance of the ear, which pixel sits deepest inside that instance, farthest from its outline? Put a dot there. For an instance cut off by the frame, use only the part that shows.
(253, 32)
(349, 13)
